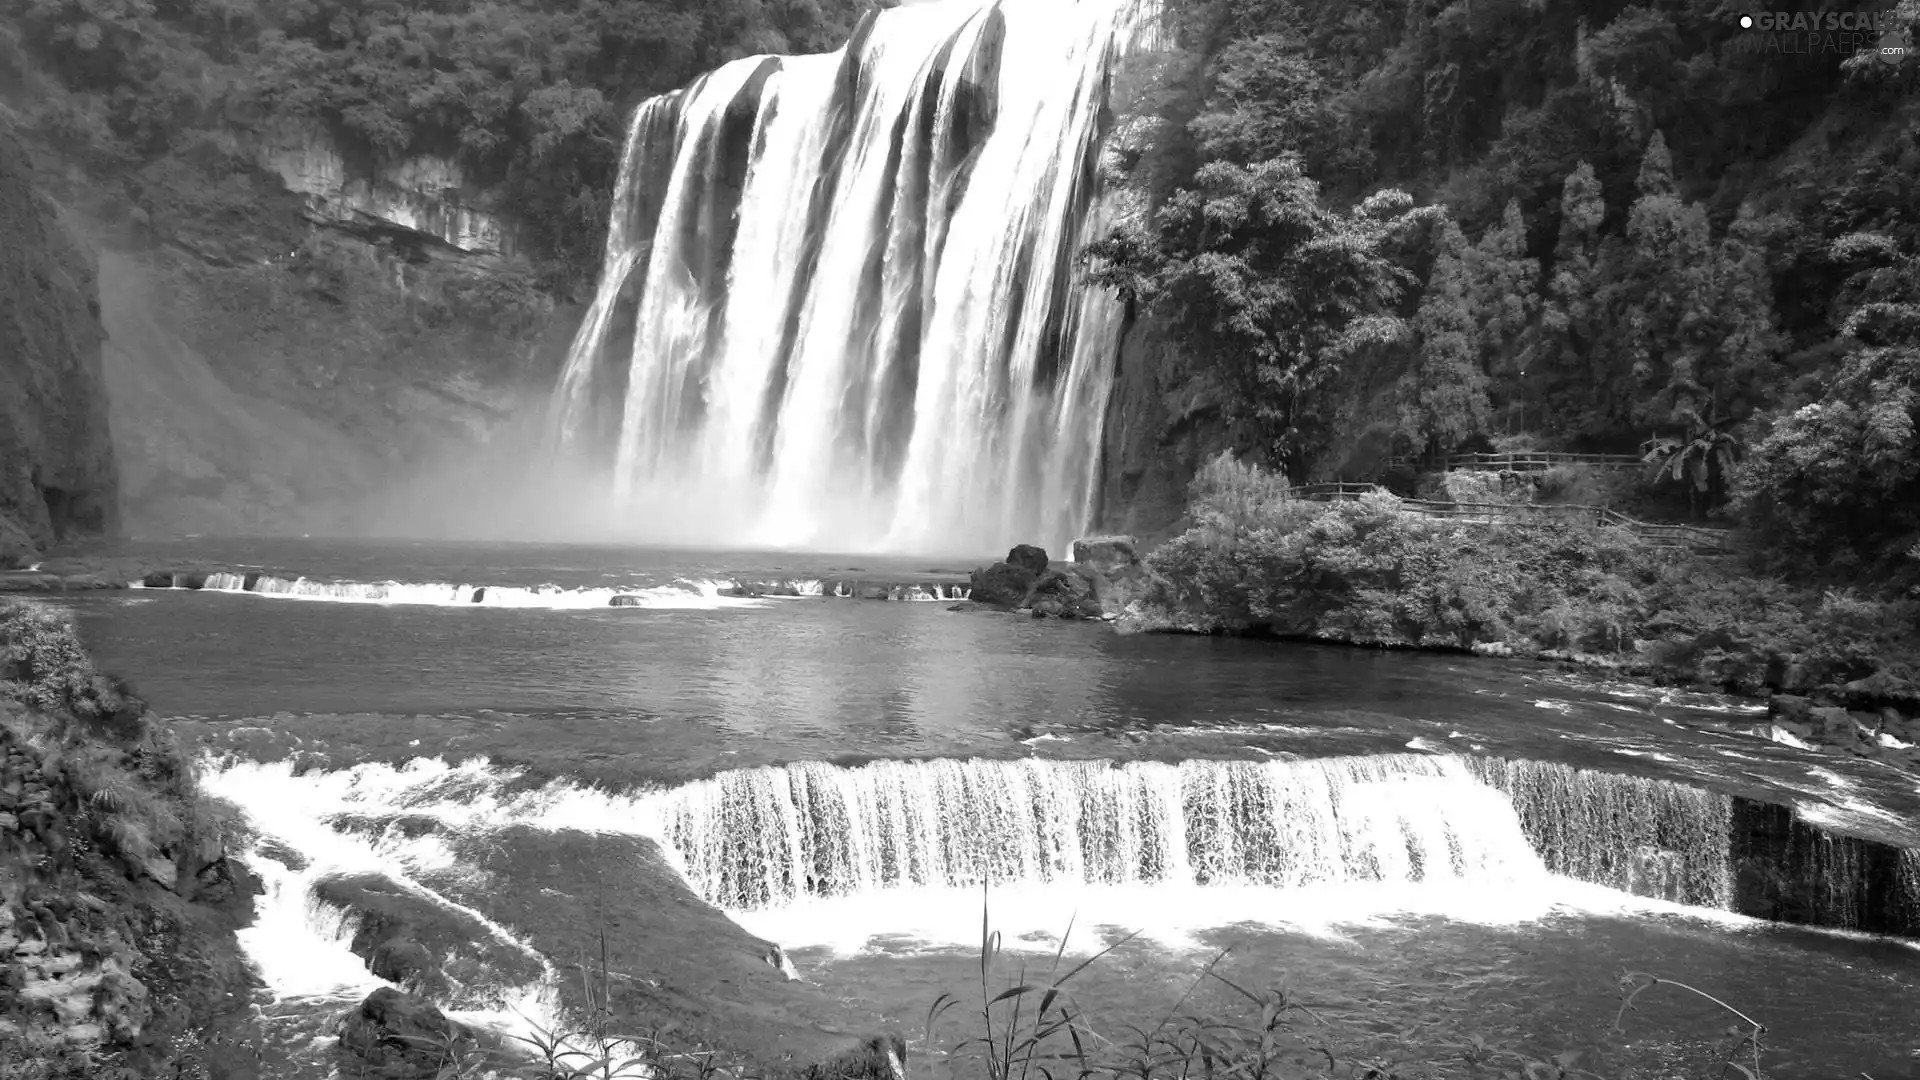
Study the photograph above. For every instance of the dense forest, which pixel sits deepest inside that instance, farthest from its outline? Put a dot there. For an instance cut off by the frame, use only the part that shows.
(529, 96)
(1585, 226)
(1591, 225)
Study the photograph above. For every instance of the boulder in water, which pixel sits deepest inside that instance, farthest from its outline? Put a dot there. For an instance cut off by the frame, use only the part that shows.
(1064, 594)
(1002, 585)
(1790, 707)
(157, 580)
(402, 1035)
(1029, 558)
(1108, 555)
(626, 601)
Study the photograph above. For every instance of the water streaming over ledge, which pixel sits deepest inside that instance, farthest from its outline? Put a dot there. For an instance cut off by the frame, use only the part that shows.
(759, 838)
(839, 300)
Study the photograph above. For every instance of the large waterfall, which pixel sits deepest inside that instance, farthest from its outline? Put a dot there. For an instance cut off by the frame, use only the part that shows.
(839, 305)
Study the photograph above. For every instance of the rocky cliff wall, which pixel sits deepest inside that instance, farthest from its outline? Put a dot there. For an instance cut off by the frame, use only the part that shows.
(426, 196)
(57, 475)
(1163, 421)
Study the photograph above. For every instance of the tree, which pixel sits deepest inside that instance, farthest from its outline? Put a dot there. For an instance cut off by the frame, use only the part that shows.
(1571, 321)
(1269, 287)
(1502, 291)
(1266, 99)
(1842, 476)
(1703, 459)
(1443, 399)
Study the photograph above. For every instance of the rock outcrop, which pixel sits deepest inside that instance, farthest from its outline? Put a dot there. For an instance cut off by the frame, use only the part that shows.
(421, 194)
(426, 947)
(402, 1036)
(1163, 422)
(57, 475)
(1027, 581)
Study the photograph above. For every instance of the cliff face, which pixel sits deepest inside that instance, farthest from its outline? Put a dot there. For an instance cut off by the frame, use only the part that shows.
(58, 480)
(1163, 422)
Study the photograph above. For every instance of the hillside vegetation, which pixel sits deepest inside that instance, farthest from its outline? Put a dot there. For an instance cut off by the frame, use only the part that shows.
(1583, 226)
(1376, 572)
(528, 96)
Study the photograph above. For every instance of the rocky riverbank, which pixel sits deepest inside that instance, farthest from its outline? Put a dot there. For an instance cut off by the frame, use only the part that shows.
(1839, 668)
(125, 889)
(122, 898)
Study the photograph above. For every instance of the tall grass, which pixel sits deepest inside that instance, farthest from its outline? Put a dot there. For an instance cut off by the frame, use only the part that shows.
(1037, 1029)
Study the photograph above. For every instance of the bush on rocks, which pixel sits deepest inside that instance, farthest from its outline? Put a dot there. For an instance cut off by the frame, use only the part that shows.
(1372, 572)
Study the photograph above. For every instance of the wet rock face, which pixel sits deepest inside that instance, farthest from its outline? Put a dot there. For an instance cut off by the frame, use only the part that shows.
(1006, 584)
(65, 999)
(1064, 594)
(58, 479)
(1108, 555)
(426, 946)
(1788, 870)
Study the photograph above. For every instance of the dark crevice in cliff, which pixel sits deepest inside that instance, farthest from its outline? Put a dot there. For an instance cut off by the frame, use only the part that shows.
(58, 479)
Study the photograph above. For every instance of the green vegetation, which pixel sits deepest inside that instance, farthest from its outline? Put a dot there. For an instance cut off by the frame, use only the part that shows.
(1606, 224)
(527, 96)
(1373, 572)
(111, 853)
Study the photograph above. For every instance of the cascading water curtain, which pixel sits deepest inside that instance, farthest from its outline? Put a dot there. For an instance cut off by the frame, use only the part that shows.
(765, 837)
(839, 306)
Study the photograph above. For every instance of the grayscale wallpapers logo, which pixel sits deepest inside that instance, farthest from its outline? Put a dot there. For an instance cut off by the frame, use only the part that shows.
(1828, 32)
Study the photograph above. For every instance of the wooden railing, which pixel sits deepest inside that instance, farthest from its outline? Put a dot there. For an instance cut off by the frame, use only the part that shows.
(1659, 534)
(1531, 461)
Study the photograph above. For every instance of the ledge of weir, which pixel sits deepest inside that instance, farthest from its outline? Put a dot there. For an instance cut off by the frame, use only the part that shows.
(1745, 846)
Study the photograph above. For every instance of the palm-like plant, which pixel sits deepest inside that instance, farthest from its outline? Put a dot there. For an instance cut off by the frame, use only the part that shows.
(1702, 459)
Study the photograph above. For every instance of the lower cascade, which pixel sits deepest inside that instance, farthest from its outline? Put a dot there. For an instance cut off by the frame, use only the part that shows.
(759, 838)
(769, 836)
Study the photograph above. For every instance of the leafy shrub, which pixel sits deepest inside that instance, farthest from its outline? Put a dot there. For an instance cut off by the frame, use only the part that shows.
(1486, 486)
(1373, 572)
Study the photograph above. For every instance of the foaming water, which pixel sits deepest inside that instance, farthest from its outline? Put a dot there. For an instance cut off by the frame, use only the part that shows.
(770, 837)
(896, 859)
(300, 944)
(684, 595)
